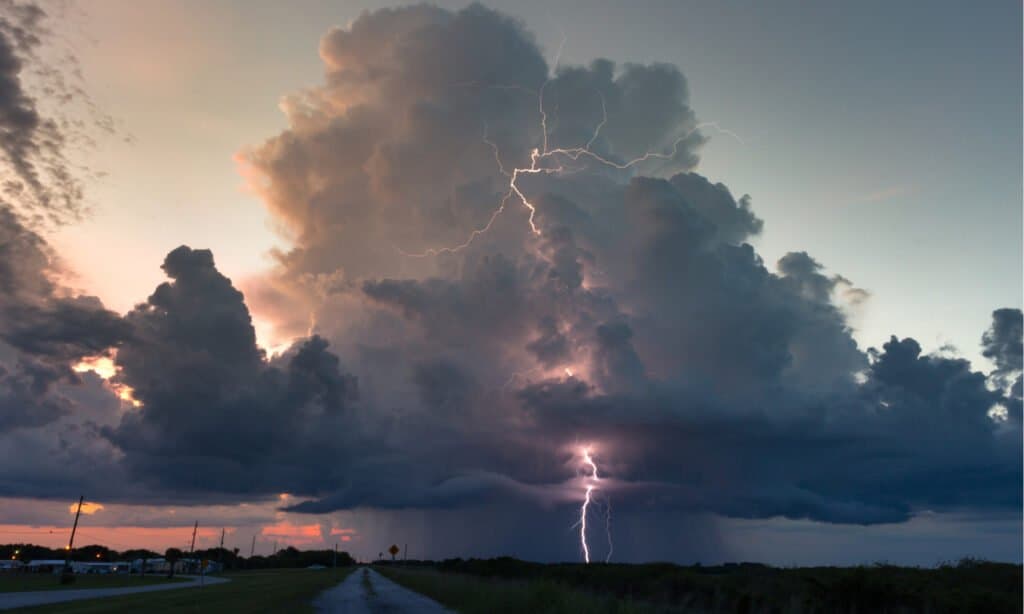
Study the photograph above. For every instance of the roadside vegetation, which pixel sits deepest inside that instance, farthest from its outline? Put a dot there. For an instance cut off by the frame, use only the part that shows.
(270, 590)
(231, 558)
(478, 595)
(509, 585)
(16, 582)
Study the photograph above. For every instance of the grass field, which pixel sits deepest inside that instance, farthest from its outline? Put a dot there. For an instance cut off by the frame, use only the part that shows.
(475, 595)
(508, 585)
(15, 582)
(270, 590)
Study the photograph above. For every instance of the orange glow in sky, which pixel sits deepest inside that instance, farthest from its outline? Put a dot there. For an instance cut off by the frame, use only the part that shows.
(105, 367)
(100, 365)
(88, 508)
(293, 534)
(120, 538)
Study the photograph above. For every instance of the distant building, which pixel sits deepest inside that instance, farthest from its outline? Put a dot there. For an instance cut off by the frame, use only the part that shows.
(78, 567)
(183, 566)
(45, 566)
(154, 565)
(99, 568)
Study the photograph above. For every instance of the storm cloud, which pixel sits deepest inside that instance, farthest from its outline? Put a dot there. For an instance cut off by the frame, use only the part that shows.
(216, 415)
(454, 342)
(36, 176)
(639, 318)
(44, 328)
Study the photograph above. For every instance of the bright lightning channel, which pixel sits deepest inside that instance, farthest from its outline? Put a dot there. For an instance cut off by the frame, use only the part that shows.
(542, 155)
(592, 482)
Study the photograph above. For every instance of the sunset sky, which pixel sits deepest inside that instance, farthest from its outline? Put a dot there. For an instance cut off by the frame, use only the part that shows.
(271, 267)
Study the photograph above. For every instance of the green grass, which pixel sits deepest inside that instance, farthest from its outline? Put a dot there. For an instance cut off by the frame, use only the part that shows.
(508, 585)
(475, 595)
(17, 582)
(268, 590)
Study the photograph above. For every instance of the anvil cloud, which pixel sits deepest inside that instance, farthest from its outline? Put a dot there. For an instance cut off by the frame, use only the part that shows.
(639, 320)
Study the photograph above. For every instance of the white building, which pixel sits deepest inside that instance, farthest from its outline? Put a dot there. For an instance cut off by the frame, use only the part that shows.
(45, 565)
(183, 566)
(99, 567)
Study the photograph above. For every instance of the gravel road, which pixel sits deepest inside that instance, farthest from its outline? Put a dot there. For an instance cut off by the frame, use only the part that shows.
(367, 592)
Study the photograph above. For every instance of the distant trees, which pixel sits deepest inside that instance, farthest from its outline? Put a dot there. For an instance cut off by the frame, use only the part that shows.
(138, 553)
(94, 552)
(173, 555)
(285, 557)
(27, 552)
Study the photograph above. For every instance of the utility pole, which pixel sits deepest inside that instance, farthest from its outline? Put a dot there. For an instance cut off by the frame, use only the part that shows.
(252, 548)
(220, 552)
(71, 542)
(335, 565)
(192, 548)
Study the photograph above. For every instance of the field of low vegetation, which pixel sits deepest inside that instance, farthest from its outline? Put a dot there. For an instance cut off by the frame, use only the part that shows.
(509, 585)
(270, 590)
(17, 582)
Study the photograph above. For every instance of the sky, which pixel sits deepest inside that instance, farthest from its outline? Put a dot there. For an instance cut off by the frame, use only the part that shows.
(354, 358)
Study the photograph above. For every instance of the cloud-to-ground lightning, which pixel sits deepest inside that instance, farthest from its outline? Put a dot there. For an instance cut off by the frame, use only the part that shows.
(593, 480)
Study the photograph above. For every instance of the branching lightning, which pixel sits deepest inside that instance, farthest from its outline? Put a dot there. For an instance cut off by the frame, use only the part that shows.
(593, 480)
(547, 161)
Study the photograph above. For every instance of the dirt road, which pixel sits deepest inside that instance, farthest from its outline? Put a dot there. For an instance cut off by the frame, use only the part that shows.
(367, 592)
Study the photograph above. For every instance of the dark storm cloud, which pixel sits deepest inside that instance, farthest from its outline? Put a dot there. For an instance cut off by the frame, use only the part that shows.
(39, 317)
(216, 415)
(639, 320)
(1002, 344)
(24, 401)
(392, 151)
(35, 174)
(44, 329)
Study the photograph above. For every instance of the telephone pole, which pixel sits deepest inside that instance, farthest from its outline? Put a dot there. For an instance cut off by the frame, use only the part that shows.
(192, 548)
(71, 542)
(335, 565)
(220, 552)
(252, 548)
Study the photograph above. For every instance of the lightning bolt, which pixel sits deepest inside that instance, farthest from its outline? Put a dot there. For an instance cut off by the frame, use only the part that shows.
(592, 483)
(547, 161)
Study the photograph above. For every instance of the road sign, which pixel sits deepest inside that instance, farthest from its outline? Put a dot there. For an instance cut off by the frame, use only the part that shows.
(393, 550)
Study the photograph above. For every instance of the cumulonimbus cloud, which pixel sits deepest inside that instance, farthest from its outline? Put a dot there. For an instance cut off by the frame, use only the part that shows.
(637, 319)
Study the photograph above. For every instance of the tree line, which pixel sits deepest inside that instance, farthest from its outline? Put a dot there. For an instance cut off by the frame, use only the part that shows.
(289, 557)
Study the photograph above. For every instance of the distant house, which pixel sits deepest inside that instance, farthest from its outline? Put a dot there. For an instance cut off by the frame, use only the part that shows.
(183, 566)
(99, 568)
(45, 566)
(195, 566)
(154, 565)
(11, 565)
(78, 567)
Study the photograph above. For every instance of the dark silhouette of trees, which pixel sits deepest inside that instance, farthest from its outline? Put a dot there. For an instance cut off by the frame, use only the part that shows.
(289, 557)
(173, 555)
